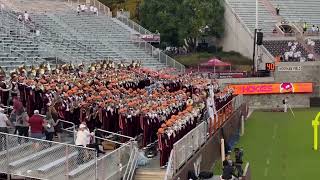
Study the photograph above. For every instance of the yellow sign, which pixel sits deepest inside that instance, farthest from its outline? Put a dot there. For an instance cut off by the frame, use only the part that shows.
(315, 124)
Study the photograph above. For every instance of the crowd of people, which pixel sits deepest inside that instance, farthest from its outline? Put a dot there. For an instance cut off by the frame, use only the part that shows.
(82, 8)
(126, 99)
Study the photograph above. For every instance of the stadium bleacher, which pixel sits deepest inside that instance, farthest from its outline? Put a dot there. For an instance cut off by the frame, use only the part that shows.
(83, 38)
(246, 10)
(299, 11)
(279, 47)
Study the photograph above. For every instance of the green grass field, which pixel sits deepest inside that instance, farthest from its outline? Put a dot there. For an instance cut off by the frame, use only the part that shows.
(279, 146)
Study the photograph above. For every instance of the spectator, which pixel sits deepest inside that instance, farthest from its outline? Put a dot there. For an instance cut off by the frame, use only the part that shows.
(274, 31)
(20, 18)
(36, 125)
(49, 128)
(95, 11)
(22, 124)
(78, 9)
(310, 57)
(305, 27)
(317, 29)
(91, 9)
(228, 172)
(4, 122)
(313, 28)
(83, 7)
(37, 32)
(26, 16)
(278, 10)
(82, 140)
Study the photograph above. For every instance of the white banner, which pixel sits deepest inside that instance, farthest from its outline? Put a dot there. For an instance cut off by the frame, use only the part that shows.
(289, 68)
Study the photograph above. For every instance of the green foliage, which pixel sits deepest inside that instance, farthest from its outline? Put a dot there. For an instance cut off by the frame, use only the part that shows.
(181, 20)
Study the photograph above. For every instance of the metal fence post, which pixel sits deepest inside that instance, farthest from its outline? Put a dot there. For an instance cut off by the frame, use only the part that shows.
(67, 162)
(7, 156)
(96, 164)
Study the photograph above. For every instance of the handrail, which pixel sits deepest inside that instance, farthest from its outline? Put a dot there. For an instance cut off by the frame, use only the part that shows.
(135, 26)
(162, 57)
(134, 163)
(113, 133)
(169, 170)
(127, 171)
(47, 141)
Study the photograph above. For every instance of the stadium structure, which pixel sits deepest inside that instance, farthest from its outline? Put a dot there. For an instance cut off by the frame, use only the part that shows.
(58, 35)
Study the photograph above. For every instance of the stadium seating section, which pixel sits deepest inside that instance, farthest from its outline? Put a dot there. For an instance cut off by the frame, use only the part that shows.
(67, 36)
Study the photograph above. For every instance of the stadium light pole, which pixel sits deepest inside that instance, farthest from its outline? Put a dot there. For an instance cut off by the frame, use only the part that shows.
(255, 38)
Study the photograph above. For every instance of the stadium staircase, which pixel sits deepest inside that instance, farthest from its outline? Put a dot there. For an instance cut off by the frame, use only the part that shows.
(86, 37)
(149, 174)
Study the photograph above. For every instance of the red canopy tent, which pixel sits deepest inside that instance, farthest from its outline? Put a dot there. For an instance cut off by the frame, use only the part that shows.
(215, 63)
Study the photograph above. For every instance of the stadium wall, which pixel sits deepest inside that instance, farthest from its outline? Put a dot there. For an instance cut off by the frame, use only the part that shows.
(309, 73)
(210, 152)
(237, 36)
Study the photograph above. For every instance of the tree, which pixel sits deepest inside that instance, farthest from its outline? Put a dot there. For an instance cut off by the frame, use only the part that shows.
(182, 22)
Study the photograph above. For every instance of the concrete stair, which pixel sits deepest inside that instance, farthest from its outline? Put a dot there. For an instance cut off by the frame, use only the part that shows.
(150, 174)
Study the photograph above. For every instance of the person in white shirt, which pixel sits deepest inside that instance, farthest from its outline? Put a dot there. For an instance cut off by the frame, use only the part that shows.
(310, 56)
(82, 140)
(26, 16)
(4, 122)
(83, 7)
(83, 136)
(20, 18)
(286, 56)
(91, 8)
(313, 28)
(95, 11)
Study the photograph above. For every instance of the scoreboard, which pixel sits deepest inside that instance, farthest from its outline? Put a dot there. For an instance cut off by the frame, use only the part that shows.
(270, 67)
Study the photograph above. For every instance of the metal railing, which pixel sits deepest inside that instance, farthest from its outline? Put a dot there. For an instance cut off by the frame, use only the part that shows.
(159, 55)
(133, 25)
(114, 164)
(123, 168)
(190, 143)
(101, 7)
(41, 159)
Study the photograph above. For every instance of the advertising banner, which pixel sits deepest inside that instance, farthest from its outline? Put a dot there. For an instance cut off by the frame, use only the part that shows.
(275, 88)
(289, 68)
(150, 37)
